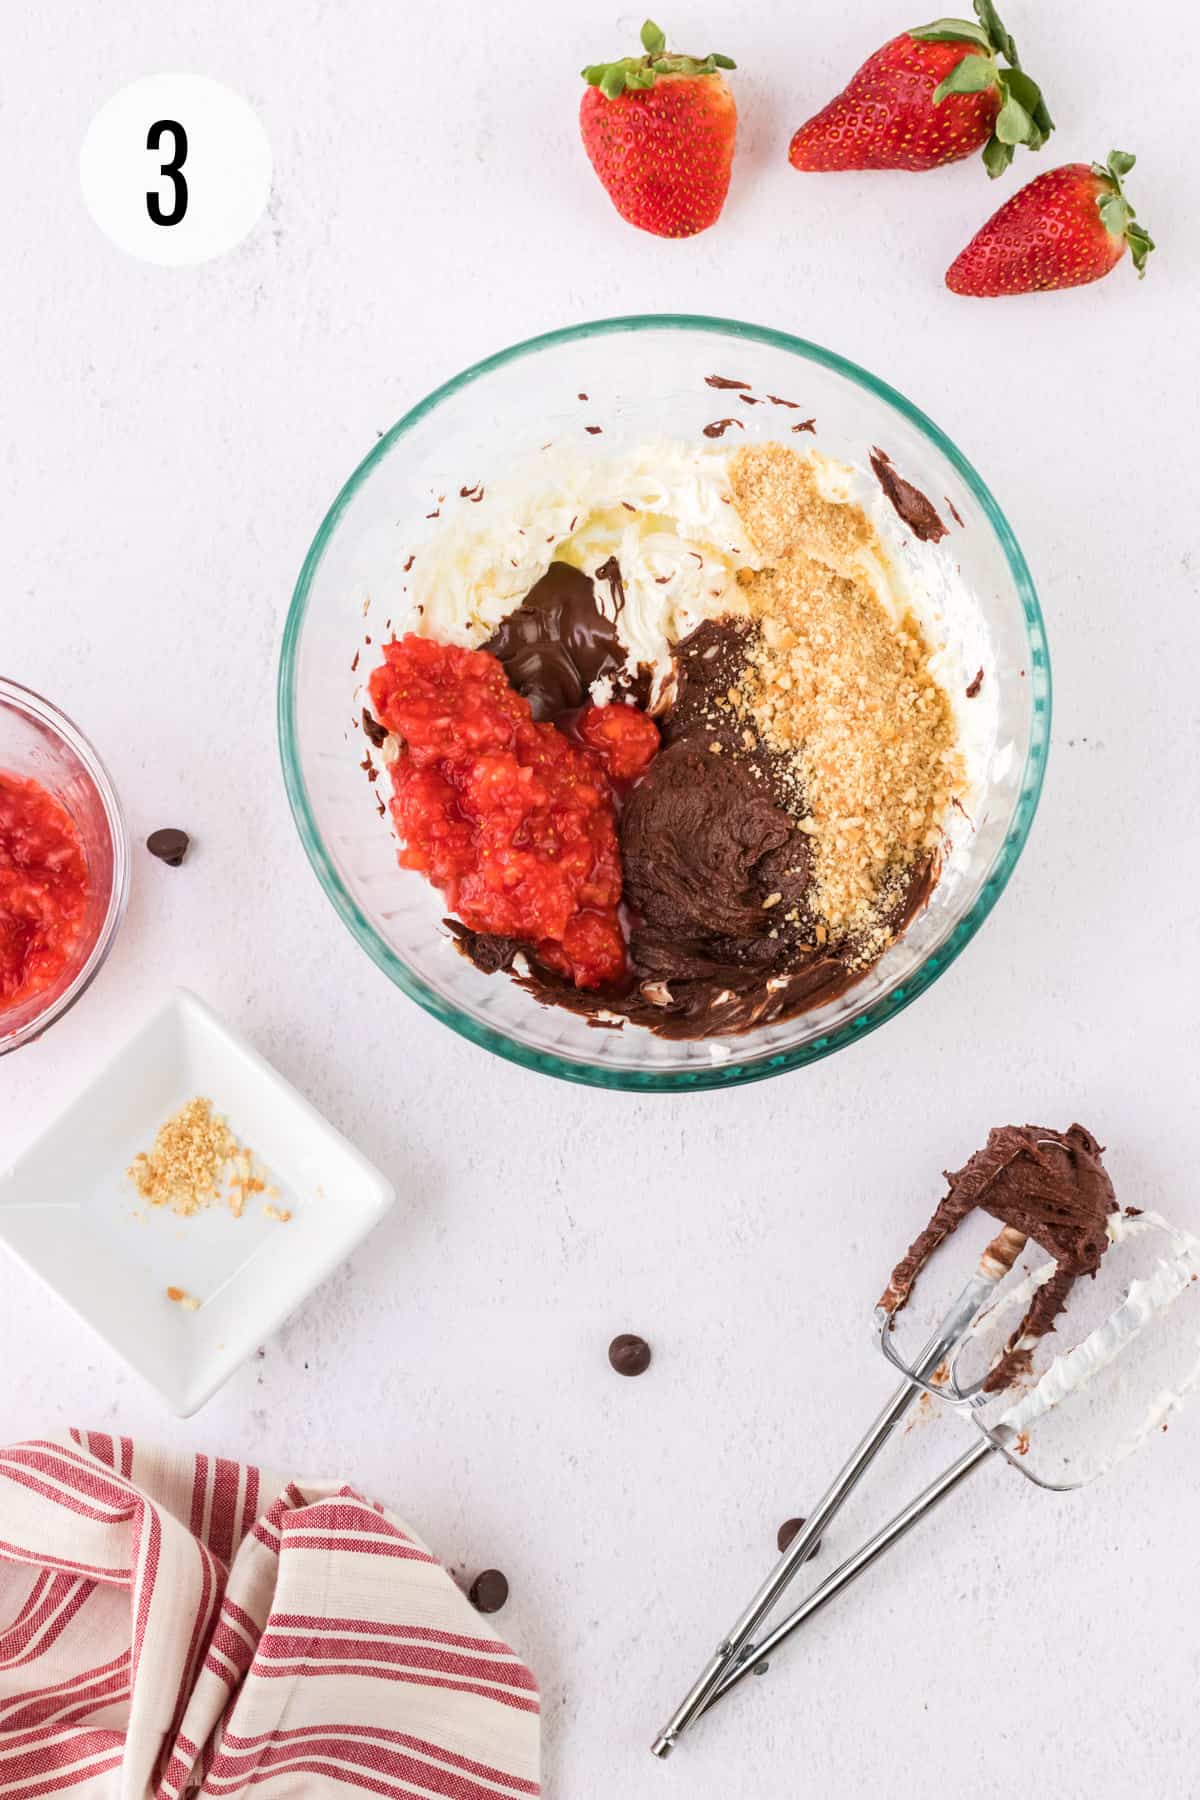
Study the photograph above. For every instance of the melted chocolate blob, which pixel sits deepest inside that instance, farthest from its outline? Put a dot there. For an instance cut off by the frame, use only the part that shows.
(918, 513)
(1048, 1185)
(705, 846)
(559, 641)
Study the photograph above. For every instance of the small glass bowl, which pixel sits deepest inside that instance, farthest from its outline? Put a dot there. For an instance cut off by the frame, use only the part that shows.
(612, 384)
(39, 742)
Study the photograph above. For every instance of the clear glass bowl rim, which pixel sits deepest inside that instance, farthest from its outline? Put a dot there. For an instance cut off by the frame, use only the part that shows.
(723, 1074)
(36, 706)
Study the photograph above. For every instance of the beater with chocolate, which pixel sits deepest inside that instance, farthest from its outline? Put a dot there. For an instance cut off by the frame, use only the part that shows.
(1047, 1185)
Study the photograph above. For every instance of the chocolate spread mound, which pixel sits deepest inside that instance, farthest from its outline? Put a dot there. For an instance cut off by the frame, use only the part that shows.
(1047, 1185)
(918, 513)
(559, 640)
(717, 876)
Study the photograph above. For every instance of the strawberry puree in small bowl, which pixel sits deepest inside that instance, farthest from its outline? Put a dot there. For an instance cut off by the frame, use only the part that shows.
(43, 889)
(64, 865)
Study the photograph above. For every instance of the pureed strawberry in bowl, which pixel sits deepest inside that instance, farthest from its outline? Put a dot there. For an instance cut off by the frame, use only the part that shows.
(777, 559)
(64, 864)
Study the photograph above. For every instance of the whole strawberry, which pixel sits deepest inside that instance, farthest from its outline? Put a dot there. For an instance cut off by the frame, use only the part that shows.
(659, 130)
(1067, 227)
(930, 96)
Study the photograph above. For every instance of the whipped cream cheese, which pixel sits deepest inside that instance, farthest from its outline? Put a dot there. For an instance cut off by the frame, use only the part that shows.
(1147, 1298)
(663, 510)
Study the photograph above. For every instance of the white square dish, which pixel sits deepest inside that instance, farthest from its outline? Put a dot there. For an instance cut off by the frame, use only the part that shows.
(69, 1211)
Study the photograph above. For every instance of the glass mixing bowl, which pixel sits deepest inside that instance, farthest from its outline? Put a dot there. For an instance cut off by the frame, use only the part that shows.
(39, 742)
(636, 378)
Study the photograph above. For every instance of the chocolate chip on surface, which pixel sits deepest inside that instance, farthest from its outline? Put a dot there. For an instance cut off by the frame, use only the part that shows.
(489, 1590)
(629, 1354)
(169, 845)
(787, 1532)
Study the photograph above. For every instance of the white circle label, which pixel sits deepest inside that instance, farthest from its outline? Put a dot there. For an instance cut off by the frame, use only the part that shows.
(175, 169)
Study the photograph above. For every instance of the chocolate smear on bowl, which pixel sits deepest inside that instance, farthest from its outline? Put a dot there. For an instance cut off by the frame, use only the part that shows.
(719, 427)
(169, 845)
(806, 425)
(487, 950)
(560, 640)
(955, 514)
(777, 400)
(610, 571)
(723, 381)
(749, 400)
(1047, 1185)
(489, 1591)
(975, 684)
(909, 503)
(629, 1354)
(373, 729)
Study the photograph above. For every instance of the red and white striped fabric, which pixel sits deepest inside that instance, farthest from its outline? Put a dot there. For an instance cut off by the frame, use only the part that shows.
(176, 1625)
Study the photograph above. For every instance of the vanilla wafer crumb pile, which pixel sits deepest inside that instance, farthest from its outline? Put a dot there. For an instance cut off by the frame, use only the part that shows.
(194, 1159)
(844, 691)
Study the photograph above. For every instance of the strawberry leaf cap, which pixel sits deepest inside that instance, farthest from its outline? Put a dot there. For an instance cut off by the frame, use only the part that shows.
(635, 73)
(1024, 117)
(1116, 212)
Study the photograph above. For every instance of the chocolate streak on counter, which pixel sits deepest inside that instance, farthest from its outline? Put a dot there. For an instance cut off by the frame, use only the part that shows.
(1048, 1185)
(918, 513)
(713, 868)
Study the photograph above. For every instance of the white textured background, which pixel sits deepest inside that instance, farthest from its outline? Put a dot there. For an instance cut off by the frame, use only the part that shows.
(170, 441)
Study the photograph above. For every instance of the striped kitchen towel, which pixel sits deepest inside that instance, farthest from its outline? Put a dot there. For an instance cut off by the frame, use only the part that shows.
(175, 1625)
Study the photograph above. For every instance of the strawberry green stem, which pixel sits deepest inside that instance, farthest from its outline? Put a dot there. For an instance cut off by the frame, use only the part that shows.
(1024, 117)
(634, 73)
(1117, 212)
